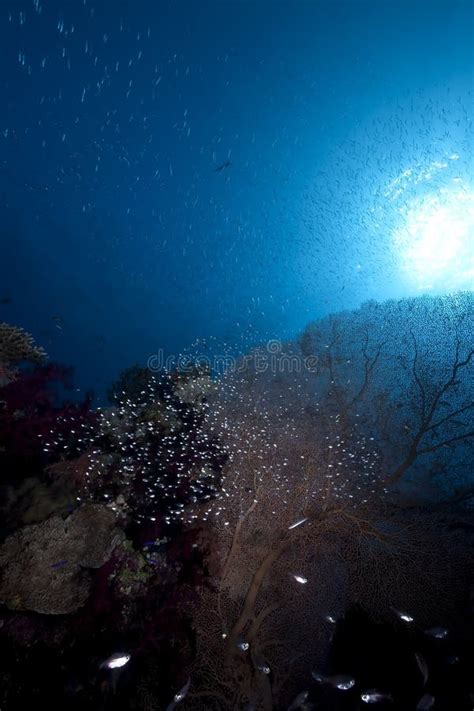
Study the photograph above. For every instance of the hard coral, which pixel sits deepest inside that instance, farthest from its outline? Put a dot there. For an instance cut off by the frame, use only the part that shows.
(16, 345)
(42, 566)
(34, 500)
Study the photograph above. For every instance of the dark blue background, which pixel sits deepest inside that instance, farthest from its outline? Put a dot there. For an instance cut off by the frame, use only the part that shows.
(115, 115)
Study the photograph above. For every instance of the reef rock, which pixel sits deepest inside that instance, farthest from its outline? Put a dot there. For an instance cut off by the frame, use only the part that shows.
(43, 567)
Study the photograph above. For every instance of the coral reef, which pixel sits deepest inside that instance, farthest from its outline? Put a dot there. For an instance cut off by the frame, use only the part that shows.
(195, 388)
(16, 346)
(35, 500)
(151, 456)
(223, 528)
(43, 567)
(132, 383)
(309, 519)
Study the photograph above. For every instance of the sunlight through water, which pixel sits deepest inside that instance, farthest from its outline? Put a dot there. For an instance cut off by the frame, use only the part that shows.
(434, 237)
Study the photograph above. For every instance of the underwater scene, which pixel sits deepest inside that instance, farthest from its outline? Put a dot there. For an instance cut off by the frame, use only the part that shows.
(237, 355)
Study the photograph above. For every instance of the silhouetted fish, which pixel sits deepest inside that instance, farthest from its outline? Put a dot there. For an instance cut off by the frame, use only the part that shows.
(422, 666)
(223, 165)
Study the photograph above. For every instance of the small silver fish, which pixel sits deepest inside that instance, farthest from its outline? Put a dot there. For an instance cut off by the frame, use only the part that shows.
(437, 632)
(242, 645)
(372, 696)
(422, 666)
(183, 691)
(178, 697)
(425, 703)
(403, 616)
(264, 668)
(298, 523)
(116, 661)
(343, 682)
(298, 701)
(300, 579)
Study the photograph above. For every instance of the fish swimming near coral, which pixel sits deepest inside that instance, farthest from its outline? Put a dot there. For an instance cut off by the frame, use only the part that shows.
(242, 644)
(373, 696)
(422, 666)
(437, 632)
(300, 579)
(298, 523)
(179, 696)
(298, 702)
(116, 661)
(403, 616)
(343, 682)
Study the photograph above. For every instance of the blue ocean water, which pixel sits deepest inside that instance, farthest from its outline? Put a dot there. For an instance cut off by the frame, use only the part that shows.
(290, 182)
(226, 170)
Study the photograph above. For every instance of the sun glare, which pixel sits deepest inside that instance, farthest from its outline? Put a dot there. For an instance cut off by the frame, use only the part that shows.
(433, 237)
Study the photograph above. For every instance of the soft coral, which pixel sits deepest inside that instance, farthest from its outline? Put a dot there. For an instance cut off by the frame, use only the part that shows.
(30, 411)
